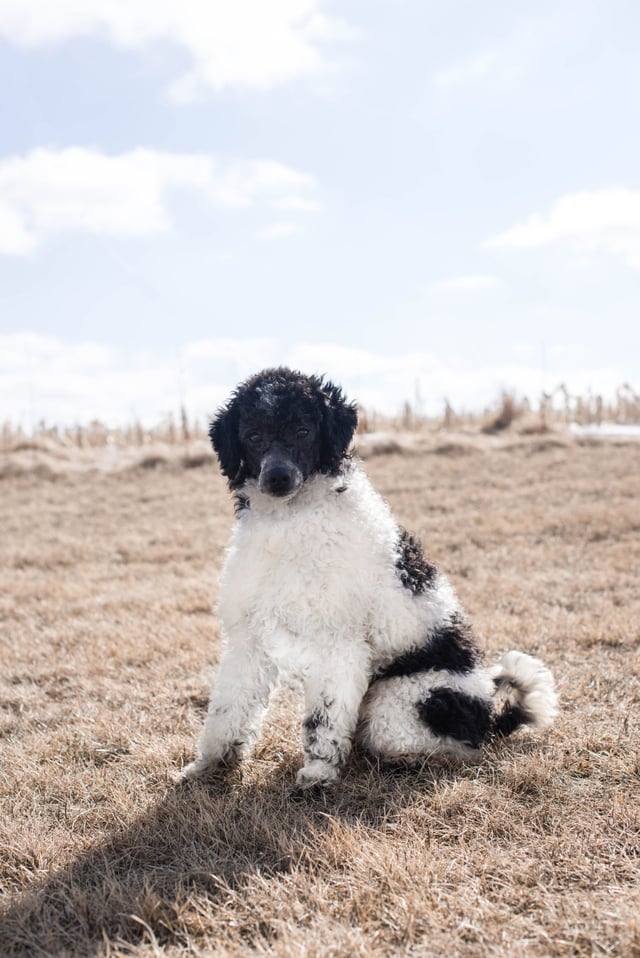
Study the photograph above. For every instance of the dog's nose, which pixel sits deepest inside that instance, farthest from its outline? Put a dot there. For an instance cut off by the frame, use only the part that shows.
(278, 480)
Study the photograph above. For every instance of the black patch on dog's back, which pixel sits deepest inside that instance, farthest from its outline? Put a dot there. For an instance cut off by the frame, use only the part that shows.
(451, 648)
(414, 569)
(455, 714)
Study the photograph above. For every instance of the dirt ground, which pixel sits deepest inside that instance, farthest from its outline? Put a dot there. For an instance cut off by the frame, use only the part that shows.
(107, 640)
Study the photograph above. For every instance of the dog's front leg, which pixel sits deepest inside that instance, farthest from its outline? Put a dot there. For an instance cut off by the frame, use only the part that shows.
(333, 693)
(237, 705)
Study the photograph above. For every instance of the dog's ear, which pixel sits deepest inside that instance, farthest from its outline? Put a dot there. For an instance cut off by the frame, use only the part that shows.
(339, 421)
(225, 439)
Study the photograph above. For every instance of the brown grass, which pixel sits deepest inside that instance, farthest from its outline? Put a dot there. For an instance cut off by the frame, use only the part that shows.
(508, 411)
(552, 411)
(107, 639)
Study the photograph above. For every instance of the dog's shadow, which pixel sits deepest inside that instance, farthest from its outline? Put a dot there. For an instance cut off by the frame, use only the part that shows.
(201, 838)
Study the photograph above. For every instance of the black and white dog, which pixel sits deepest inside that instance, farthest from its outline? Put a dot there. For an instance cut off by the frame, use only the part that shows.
(321, 582)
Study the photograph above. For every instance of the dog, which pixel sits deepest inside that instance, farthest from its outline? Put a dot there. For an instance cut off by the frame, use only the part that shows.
(321, 582)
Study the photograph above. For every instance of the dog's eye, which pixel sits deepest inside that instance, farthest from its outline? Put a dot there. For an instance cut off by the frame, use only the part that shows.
(302, 433)
(253, 437)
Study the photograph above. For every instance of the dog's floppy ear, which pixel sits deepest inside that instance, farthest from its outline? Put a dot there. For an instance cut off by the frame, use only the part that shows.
(339, 421)
(225, 439)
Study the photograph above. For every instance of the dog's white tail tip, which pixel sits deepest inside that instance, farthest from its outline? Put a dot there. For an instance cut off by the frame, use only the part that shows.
(524, 682)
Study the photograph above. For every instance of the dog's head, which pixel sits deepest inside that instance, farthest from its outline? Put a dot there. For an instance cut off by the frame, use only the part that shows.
(279, 428)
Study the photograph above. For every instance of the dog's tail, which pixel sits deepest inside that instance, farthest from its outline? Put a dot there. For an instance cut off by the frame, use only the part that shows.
(525, 693)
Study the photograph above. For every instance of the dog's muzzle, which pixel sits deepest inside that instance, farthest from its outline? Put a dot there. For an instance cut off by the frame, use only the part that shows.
(279, 478)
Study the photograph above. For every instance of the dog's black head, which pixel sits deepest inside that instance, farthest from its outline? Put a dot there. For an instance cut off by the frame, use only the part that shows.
(280, 427)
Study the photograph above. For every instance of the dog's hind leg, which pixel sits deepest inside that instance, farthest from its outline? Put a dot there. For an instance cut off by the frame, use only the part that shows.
(428, 713)
(442, 713)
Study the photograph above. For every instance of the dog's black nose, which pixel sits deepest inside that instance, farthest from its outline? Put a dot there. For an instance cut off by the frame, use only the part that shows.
(278, 480)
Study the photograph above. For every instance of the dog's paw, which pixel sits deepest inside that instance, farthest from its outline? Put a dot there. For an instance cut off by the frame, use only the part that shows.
(194, 770)
(208, 765)
(316, 775)
(203, 767)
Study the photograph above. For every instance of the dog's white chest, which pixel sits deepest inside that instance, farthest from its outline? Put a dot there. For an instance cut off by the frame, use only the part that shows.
(281, 572)
(317, 576)
(304, 568)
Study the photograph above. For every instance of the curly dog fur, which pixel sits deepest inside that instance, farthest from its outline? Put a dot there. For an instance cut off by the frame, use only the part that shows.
(320, 581)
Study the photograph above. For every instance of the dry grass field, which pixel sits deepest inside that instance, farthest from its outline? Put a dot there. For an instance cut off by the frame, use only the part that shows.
(107, 641)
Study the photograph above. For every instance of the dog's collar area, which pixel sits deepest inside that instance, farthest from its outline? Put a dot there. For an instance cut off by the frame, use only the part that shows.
(241, 504)
(316, 485)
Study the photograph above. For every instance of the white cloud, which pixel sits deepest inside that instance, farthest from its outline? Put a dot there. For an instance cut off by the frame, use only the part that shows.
(278, 231)
(277, 184)
(517, 52)
(525, 350)
(586, 222)
(464, 72)
(470, 281)
(298, 204)
(231, 43)
(21, 352)
(227, 349)
(47, 191)
(67, 383)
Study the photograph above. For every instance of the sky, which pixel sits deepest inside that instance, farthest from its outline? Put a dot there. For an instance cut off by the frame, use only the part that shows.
(423, 201)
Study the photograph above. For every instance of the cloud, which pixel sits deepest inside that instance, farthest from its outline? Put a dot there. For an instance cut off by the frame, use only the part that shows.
(73, 383)
(48, 191)
(513, 54)
(498, 68)
(470, 281)
(465, 72)
(586, 222)
(242, 43)
(244, 355)
(21, 352)
(278, 184)
(278, 231)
